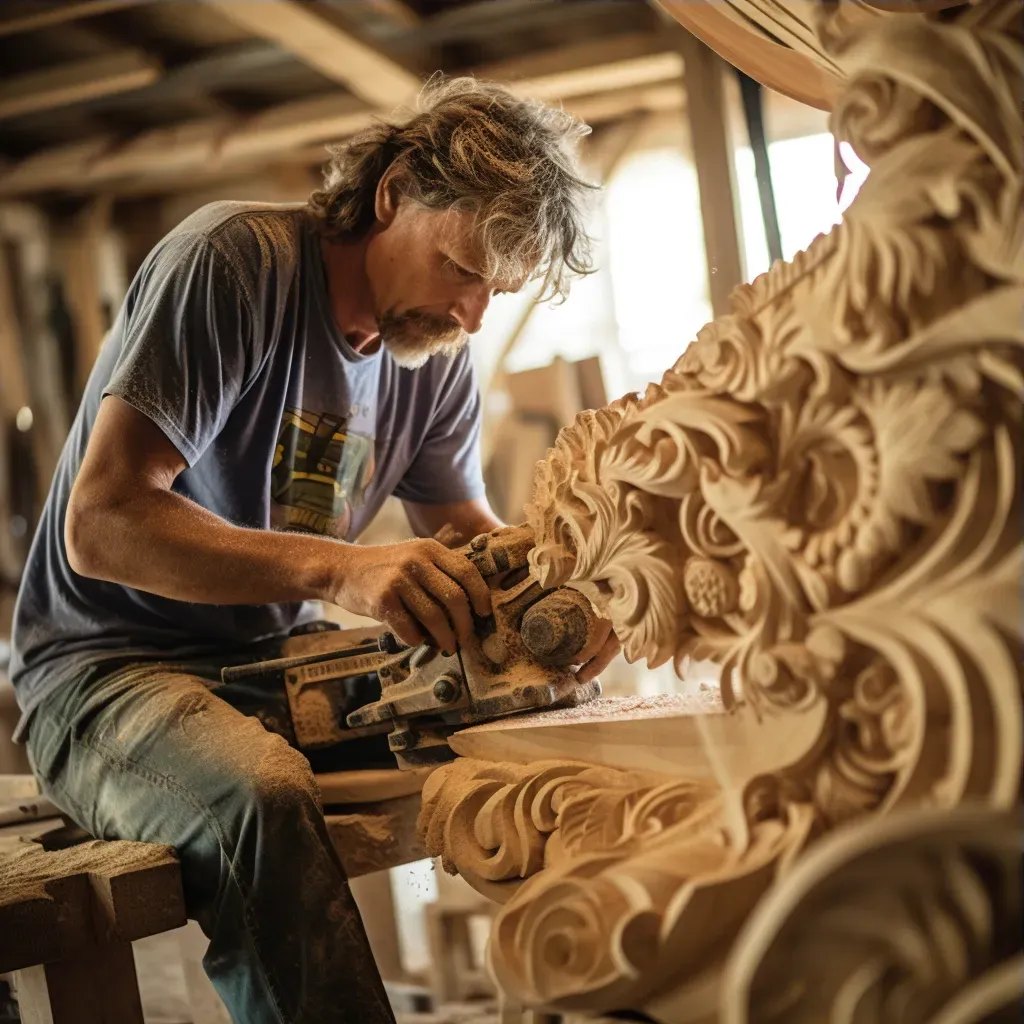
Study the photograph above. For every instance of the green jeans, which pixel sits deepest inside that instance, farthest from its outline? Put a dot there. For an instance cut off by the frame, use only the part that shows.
(147, 752)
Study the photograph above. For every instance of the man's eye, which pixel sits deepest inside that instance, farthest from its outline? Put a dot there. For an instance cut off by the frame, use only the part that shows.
(462, 271)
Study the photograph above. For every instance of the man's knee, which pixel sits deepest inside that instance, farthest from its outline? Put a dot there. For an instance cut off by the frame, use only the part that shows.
(278, 782)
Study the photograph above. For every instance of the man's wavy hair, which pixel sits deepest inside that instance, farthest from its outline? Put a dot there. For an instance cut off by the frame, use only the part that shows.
(474, 146)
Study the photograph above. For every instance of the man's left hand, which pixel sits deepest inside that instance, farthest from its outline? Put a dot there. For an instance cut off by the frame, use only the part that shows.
(599, 653)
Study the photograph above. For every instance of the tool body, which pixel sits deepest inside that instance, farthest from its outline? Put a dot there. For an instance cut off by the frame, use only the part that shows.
(519, 660)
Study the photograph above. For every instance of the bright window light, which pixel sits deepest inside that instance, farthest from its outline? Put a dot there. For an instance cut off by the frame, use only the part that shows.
(804, 183)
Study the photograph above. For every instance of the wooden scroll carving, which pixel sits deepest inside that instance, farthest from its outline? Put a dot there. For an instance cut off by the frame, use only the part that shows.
(822, 495)
(913, 918)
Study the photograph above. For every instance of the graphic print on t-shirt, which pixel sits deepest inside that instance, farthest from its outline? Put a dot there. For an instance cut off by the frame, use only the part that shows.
(320, 473)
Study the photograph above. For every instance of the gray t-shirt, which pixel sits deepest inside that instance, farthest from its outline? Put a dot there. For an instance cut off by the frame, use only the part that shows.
(226, 341)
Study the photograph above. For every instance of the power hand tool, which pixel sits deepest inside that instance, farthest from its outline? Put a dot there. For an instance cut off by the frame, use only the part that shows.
(519, 660)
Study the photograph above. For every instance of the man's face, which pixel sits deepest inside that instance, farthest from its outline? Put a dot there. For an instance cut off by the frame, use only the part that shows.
(424, 273)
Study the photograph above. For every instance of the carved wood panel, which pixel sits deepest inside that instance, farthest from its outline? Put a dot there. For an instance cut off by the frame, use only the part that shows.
(822, 495)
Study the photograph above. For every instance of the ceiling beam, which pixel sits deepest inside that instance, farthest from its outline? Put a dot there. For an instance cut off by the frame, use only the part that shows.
(59, 14)
(223, 68)
(479, 22)
(165, 153)
(396, 13)
(75, 82)
(599, 108)
(628, 60)
(314, 34)
(588, 88)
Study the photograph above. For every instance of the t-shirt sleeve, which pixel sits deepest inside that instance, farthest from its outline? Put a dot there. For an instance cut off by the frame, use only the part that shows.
(188, 349)
(446, 467)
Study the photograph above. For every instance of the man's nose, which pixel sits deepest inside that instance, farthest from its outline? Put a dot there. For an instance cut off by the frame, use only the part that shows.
(469, 309)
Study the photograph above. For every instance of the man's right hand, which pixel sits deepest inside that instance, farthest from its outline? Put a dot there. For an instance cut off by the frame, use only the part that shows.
(419, 589)
(125, 524)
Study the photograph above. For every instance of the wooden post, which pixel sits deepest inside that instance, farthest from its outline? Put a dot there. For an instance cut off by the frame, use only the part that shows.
(376, 904)
(79, 249)
(13, 396)
(753, 110)
(703, 72)
(95, 986)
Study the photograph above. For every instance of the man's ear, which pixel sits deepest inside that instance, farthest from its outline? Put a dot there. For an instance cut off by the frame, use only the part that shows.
(385, 201)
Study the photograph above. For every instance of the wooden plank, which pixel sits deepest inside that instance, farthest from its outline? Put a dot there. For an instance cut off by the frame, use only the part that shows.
(711, 141)
(671, 734)
(59, 14)
(308, 31)
(76, 82)
(377, 836)
(52, 904)
(97, 985)
(17, 787)
(168, 152)
(26, 809)
(371, 785)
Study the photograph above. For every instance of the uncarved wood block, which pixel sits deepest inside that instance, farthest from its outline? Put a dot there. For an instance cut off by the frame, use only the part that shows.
(376, 836)
(686, 736)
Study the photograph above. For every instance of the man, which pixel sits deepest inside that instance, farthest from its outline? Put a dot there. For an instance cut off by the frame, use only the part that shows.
(274, 374)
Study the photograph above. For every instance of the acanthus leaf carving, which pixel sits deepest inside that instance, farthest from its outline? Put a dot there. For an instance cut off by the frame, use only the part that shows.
(823, 496)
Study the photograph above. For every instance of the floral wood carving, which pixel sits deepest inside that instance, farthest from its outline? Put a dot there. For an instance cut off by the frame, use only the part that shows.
(822, 495)
(910, 918)
(591, 863)
(833, 469)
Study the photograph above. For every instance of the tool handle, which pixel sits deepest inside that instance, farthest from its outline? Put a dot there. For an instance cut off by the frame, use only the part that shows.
(258, 669)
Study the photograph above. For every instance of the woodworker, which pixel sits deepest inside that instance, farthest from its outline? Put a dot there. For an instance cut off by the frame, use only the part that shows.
(273, 375)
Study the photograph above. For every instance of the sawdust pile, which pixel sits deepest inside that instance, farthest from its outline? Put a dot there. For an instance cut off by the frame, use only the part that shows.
(26, 869)
(663, 705)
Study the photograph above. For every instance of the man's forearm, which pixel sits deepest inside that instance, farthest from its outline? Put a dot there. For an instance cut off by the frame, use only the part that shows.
(163, 543)
(466, 518)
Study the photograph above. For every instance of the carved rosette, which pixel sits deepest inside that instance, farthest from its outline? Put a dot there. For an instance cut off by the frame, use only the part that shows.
(822, 495)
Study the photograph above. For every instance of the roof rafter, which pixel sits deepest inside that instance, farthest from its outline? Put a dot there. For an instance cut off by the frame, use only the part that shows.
(587, 78)
(60, 14)
(77, 81)
(316, 36)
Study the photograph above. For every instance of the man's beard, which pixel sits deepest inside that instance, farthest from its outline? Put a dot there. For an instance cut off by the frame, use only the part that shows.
(413, 337)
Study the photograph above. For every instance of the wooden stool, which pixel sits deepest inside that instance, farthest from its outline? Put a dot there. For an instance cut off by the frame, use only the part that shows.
(67, 921)
(68, 917)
